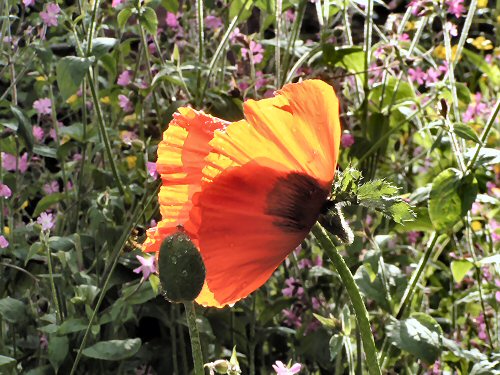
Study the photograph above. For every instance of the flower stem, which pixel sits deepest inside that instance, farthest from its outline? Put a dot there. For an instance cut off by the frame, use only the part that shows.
(195, 338)
(354, 295)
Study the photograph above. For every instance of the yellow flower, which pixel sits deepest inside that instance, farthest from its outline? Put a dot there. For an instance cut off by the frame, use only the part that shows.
(440, 52)
(105, 100)
(25, 204)
(41, 78)
(65, 139)
(410, 26)
(6, 230)
(482, 3)
(131, 161)
(498, 19)
(73, 98)
(476, 226)
(130, 118)
(481, 43)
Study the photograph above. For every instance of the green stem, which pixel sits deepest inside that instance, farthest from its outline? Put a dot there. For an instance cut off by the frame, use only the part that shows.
(199, 24)
(354, 295)
(195, 338)
(51, 278)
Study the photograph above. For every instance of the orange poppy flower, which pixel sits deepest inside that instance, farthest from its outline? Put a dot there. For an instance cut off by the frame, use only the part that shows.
(248, 192)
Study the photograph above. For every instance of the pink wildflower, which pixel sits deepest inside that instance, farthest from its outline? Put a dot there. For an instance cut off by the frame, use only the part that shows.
(290, 15)
(281, 369)
(52, 187)
(347, 140)
(432, 76)
(147, 266)
(476, 109)
(292, 318)
(151, 166)
(404, 37)
(28, 3)
(171, 20)
(9, 162)
(38, 133)
(3, 242)
(213, 22)
(255, 49)
(115, 3)
(236, 35)
(43, 106)
(125, 103)
(124, 78)
(413, 236)
(417, 75)
(260, 80)
(46, 220)
(456, 7)
(294, 288)
(5, 191)
(50, 14)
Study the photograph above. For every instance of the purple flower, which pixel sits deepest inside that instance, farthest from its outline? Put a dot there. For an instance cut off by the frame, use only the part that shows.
(292, 318)
(49, 15)
(413, 236)
(147, 266)
(9, 162)
(260, 80)
(5, 191)
(347, 140)
(281, 369)
(151, 166)
(171, 20)
(3, 242)
(290, 15)
(124, 78)
(236, 35)
(255, 49)
(293, 288)
(417, 75)
(43, 106)
(451, 28)
(455, 7)
(52, 187)
(476, 109)
(125, 103)
(213, 22)
(28, 3)
(495, 235)
(38, 133)
(46, 220)
(432, 76)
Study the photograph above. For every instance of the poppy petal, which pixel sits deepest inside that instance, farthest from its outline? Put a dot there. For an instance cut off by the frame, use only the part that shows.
(263, 187)
(181, 156)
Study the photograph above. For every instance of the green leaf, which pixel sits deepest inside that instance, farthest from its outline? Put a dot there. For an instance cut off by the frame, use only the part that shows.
(335, 344)
(13, 310)
(329, 323)
(149, 20)
(46, 202)
(466, 132)
(419, 335)
(491, 71)
(445, 205)
(6, 364)
(350, 58)
(235, 7)
(487, 156)
(57, 350)
(24, 129)
(113, 350)
(123, 17)
(72, 325)
(389, 94)
(181, 268)
(70, 71)
(171, 6)
(101, 46)
(45, 151)
(459, 269)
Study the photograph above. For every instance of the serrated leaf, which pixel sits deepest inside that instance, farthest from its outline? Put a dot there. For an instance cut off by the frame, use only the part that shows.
(466, 132)
(419, 335)
(123, 17)
(70, 71)
(149, 20)
(24, 129)
(459, 269)
(113, 350)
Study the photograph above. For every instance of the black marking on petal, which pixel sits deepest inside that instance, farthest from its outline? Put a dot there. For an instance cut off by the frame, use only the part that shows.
(296, 202)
